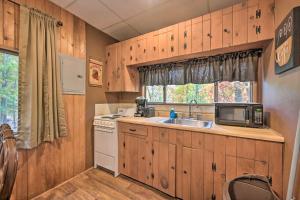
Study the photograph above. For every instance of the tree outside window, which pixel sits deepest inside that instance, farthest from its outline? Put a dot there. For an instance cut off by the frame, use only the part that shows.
(9, 65)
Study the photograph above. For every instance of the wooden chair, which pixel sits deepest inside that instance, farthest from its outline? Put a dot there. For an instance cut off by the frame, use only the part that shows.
(8, 161)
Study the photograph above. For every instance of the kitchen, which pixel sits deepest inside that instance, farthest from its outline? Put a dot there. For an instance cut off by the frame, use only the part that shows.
(206, 97)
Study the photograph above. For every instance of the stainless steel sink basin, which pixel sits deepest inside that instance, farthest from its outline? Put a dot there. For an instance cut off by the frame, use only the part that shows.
(188, 122)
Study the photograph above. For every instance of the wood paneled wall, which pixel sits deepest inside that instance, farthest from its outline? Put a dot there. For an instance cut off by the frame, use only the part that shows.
(51, 163)
(281, 96)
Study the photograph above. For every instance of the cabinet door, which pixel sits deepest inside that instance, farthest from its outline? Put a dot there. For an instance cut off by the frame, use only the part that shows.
(185, 37)
(111, 66)
(208, 176)
(121, 153)
(240, 23)
(145, 161)
(227, 27)
(252, 20)
(163, 43)
(186, 173)
(152, 46)
(197, 35)
(131, 156)
(206, 32)
(197, 174)
(131, 51)
(172, 41)
(141, 45)
(216, 30)
(266, 19)
(164, 167)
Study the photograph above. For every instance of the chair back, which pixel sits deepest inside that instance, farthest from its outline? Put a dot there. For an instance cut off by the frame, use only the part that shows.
(8, 161)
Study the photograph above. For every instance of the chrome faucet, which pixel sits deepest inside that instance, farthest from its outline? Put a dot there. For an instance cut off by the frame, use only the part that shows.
(190, 107)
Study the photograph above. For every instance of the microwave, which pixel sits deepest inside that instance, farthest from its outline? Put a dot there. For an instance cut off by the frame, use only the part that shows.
(239, 114)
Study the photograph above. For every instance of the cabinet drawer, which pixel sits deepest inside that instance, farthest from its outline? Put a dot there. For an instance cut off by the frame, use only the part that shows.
(134, 129)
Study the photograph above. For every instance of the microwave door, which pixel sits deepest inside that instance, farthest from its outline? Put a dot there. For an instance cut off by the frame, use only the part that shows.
(234, 115)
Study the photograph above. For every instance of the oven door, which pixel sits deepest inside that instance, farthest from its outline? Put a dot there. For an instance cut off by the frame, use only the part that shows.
(105, 140)
(236, 115)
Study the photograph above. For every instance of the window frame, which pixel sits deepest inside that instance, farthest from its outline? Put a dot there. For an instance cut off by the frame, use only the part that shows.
(14, 53)
(253, 96)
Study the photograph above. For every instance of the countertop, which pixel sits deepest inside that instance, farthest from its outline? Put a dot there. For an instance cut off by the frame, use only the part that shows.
(265, 134)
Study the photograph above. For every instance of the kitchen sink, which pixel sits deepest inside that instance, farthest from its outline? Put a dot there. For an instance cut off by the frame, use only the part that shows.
(189, 122)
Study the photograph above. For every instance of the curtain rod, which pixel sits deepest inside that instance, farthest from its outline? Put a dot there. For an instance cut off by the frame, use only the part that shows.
(58, 23)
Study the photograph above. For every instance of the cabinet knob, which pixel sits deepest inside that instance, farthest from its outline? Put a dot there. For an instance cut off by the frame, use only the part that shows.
(144, 50)
(185, 172)
(172, 48)
(130, 48)
(226, 30)
(139, 45)
(185, 34)
(185, 46)
(172, 37)
(79, 76)
(173, 168)
(108, 54)
(143, 158)
(130, 57)
(154, 48)
(209, 35)
(162, 50)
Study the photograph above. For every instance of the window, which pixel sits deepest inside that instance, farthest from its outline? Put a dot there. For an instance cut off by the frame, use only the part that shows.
(9, 65)
(226, 92)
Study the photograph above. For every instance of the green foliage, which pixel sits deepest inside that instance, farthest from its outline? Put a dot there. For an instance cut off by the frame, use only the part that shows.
(8, 89)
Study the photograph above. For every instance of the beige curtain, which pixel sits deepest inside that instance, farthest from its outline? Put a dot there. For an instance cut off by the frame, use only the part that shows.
(41, 110)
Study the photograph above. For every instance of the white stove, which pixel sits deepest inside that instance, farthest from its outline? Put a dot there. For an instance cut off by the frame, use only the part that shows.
(106, 139)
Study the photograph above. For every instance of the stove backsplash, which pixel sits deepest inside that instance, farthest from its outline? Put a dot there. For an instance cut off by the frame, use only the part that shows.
(111, 108)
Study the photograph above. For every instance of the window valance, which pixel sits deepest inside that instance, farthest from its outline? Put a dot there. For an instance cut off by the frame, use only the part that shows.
(237, 66)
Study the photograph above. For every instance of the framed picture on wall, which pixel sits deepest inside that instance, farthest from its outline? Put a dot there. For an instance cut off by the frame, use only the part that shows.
(95, 73)
(287, 42)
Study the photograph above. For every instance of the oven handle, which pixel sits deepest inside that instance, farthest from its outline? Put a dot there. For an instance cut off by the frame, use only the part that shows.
(105, 130)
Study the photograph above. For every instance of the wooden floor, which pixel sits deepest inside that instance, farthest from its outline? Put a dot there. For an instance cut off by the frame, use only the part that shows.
(96, 184)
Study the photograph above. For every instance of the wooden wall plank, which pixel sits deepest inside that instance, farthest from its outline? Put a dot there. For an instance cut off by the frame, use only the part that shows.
(9, 24)
(1, 22)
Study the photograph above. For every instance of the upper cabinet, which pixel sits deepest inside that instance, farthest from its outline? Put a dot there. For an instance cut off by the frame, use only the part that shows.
(206, 32)
(216, 30)
(247, 22)
(197, 34)
(227, 27)
(239, 23)
(260, 20)
(185, 37)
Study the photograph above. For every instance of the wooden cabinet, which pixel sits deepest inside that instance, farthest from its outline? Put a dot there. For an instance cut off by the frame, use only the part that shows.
(129, 51)
(197, 35)
(239, 23)
(216, 29)
(206, 32)
(152, 46)
(168, 42)
(141, 49)
(227, 27)
(185, 37)
(164, 167)
(260, 27)
(114, 68)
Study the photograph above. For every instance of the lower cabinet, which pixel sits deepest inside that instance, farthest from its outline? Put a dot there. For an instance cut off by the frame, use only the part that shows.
(193, 165)
(164, 156)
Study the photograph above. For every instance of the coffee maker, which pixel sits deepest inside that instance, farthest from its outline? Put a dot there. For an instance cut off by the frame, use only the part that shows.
(141, 103)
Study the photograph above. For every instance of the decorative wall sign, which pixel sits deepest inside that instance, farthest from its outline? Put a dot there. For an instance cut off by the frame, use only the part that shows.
(95, 72)
(287, 42)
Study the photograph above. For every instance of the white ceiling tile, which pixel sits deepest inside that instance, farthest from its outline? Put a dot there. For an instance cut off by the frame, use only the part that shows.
(62, 3)
(169, 13)
(121, 31)
(217, 4)
(94, 12)
(130, 8)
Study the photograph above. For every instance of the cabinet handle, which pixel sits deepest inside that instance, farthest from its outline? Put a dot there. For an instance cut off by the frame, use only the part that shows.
(209, 35)
(143, 158)
(144, 50)
(172, 48)
(226, 30)
(130, 57)
(258, 13)
(185, 46)
(132, 130)
(154, 48)
(185, 34)
(185, 172)
(172, 37)
(162, 50)
(258, 29)
(79, 76)
(173, 168)
(108, 54)
(123, 165)
(130, 48)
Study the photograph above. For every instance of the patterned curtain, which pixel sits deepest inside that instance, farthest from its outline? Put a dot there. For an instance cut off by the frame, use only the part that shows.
(237, 66)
